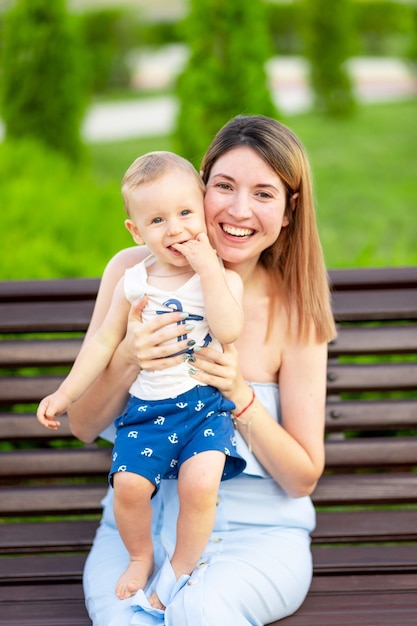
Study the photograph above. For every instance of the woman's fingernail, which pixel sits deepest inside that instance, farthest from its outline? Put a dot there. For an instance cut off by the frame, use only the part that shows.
(191, 343)
(184, 315)
(197, 348)
(189, 327)
(192, 371)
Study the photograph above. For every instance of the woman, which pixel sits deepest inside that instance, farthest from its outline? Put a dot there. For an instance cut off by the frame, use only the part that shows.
(260, 218)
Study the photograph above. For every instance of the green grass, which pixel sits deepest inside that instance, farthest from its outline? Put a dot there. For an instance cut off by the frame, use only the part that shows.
(365, 180)
(57, 221)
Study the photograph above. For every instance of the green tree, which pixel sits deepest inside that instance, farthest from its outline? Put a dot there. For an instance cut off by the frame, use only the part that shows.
(42, 82)
(229, 45)
(328, 34)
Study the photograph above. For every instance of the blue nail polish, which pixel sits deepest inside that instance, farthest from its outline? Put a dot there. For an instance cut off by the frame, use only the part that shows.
(191, 343)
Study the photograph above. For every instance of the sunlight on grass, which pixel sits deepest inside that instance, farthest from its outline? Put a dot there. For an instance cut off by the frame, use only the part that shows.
(62, 223)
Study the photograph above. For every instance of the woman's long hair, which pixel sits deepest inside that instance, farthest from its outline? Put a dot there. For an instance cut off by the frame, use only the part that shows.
(296, 257)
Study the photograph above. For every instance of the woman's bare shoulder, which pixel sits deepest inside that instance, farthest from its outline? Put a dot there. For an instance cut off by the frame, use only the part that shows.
(126, 258)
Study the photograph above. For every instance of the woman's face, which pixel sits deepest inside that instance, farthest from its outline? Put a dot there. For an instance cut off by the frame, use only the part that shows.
(244, 206)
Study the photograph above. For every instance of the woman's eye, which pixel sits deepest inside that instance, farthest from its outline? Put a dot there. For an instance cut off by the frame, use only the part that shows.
(264, 194)
(224, 185)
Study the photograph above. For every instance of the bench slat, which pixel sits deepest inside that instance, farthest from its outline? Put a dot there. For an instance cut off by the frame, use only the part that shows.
(355, 340)
(390, 304)
(351, 453)
(357, 526)
(366, 489)
(376, 377)
(52, 500)
(15, 426)
(390, 608)
(332, 527)
(370, 414)
(372, 452)
(70, 536)
(60, 462)
(327, 560)
(49, 289)
(341, 378)
(40, 352)
(326, 604)
(367, 278)
(45, 316)
(23, 389)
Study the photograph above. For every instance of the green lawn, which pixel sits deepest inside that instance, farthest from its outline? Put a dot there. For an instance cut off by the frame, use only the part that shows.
(57, 221)
(365, 180)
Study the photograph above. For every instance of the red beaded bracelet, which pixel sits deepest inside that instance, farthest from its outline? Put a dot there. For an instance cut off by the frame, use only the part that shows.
(252, 400)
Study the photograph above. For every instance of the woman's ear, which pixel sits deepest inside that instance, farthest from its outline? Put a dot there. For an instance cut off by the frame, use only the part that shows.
(133, 230)
(293, 205)
(293, 200)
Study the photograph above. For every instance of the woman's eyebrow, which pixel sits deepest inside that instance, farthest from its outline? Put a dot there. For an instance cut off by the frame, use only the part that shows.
(220, 175)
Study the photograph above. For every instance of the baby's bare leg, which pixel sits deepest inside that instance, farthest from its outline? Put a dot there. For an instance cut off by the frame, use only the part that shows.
(133, 514)
(198, 484)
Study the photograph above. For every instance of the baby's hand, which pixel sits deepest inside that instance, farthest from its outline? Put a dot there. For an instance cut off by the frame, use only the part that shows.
(50, 407)
(199, 253)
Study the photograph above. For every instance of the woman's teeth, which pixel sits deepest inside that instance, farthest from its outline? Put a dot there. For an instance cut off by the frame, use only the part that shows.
(237, 232)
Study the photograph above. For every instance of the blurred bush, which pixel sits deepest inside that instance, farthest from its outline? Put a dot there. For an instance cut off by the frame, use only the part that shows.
(225, 74)
(109, 35)
(56, 218)
(384, 27)
(43, 88)
(329, 42)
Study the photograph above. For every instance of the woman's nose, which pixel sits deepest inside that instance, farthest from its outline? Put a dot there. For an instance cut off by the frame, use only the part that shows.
(240, 208)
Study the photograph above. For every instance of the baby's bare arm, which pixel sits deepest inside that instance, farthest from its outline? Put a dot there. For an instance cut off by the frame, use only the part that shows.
(91, 361)
(222, 289)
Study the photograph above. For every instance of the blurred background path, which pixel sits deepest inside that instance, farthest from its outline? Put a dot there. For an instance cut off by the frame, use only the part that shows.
(375, 79)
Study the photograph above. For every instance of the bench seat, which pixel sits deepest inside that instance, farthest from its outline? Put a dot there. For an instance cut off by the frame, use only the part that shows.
(365, 543)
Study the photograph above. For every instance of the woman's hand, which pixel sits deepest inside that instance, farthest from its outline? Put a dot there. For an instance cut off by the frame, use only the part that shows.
(150, 344)
(218, 369)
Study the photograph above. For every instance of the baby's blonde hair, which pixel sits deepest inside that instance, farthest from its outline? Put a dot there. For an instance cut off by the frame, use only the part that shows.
(150, 167)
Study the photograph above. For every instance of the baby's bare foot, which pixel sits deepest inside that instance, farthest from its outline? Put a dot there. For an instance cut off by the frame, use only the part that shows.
(155, 602)
(134, 577)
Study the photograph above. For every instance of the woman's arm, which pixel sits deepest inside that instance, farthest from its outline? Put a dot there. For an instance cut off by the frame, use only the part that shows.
(293, 453)
(139, 349)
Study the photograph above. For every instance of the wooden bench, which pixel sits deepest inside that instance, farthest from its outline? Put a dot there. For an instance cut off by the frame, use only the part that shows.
(365, 544)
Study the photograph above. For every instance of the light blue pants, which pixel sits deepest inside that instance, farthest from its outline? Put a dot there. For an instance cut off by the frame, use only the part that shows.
(257, 567)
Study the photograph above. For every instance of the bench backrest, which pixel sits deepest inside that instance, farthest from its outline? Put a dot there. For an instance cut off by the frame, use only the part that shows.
(371, 414)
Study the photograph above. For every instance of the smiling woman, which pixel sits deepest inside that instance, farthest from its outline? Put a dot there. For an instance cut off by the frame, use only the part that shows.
(261, 221)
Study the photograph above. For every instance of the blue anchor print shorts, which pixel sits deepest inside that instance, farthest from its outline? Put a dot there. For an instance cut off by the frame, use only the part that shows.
(154, 437)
